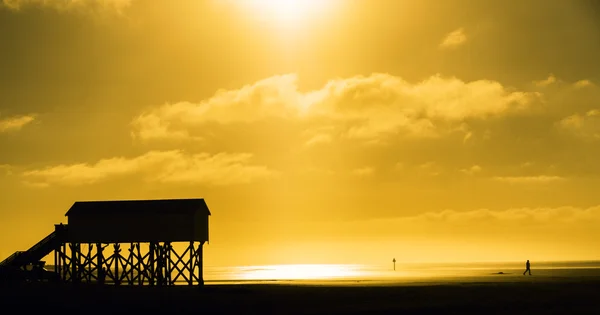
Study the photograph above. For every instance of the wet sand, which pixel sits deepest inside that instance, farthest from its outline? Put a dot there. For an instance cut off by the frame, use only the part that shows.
(527, 295)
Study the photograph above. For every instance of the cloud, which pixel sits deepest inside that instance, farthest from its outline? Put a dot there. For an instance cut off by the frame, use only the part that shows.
(319, 139)
(68, 5)
(156, 129)
(541, 179)
(586, 125)
(430, 168)
(158, 166)
(319, 135)
(15, 123)
(480, 226)
(273, 97)
(516, 215)
(468, 136)
(472, 170)
(593, 113)
(583, 83)
(454, 39)
(486, 222)
(553, 80)
(538, 233)
(360, 107)
(546, 82)
(316, 171)
(6, 169)
(527, 164)
(363, 171)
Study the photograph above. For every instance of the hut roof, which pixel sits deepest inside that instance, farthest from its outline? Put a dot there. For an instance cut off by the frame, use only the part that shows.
(137, 207)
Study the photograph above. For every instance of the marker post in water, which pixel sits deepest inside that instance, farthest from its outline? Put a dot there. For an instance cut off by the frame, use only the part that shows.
(394, 261)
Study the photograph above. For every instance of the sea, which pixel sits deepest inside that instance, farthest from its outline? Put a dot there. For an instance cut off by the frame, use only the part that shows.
(400, 274)
(425, 273)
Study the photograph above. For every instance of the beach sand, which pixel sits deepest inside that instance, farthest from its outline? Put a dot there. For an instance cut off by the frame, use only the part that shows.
(492, 295)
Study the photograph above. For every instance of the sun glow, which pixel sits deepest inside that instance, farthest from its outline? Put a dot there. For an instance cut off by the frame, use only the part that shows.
(300, 272)
(287, 11)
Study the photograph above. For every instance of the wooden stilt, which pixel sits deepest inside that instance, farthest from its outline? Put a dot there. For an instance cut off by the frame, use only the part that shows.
(200, 265)
(160, 264)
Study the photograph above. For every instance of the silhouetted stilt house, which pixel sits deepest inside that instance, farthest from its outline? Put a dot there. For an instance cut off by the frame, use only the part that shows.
(126, 242)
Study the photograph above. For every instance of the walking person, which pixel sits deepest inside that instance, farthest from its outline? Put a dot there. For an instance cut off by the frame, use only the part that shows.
(528, 268)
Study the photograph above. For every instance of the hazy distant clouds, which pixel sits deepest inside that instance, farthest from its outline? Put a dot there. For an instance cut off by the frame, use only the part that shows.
(157, 167)
(5, 169)
(66, 5)
(483, 231)
(541, 179)
(14, 123)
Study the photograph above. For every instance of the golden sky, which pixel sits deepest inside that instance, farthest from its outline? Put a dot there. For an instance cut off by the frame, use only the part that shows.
(318, 132)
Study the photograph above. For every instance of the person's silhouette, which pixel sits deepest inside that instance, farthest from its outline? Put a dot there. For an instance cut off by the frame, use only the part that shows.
(528, 268)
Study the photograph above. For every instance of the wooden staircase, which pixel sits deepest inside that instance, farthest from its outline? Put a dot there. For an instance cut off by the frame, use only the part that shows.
(38, 251)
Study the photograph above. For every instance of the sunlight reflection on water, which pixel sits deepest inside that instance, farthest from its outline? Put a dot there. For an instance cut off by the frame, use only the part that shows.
(408, 272)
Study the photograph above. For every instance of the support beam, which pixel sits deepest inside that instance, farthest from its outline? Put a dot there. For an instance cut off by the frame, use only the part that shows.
(200, 265)
(161, 264)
